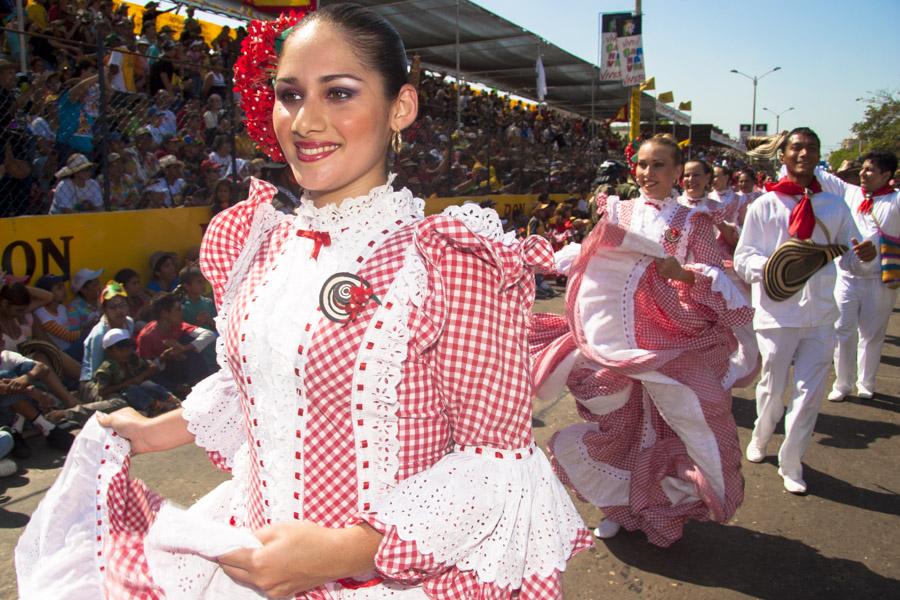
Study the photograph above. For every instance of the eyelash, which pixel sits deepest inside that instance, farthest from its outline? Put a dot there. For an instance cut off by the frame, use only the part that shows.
(337, 94)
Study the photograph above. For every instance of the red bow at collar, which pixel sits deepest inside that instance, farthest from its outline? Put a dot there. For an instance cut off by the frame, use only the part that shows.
(319, 238)
(803, 220)
(865, 207)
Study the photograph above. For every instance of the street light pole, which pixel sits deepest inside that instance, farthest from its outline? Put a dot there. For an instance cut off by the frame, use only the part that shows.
(778, 117)
(755, 79)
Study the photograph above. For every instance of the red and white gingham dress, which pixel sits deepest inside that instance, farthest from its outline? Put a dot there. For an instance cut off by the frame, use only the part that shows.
(414, 417)
(645, 359)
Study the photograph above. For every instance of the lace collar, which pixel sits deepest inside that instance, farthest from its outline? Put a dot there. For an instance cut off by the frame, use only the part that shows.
(381, 205)
(658, 204)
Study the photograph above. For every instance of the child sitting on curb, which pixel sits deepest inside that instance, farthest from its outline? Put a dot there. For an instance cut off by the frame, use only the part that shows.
(123, 373)
(197, 309)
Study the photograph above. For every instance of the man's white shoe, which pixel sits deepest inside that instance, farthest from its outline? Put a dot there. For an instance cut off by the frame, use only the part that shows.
(837, 396)
(754, 453)
(607, 529)
(864, 393)
(792, 484)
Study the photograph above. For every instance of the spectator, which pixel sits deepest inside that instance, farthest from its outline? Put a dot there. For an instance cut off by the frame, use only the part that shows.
(176, 344)
(124, 193)
(141, 153)
(222, 194)
(214, 81)
(138, 298)
(125, 375)
(211, 116)
(76, 191)
(197, 309)
(162, 70)
(165, 273)
(86, 288)
(7, 442)
(61, 327)
(170, 183)
(71, 110)
(22, 333)
(114, 303)
(22, 401)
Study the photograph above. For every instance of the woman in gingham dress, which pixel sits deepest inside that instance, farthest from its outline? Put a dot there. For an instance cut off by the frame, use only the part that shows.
(374, 401)
(646, 349)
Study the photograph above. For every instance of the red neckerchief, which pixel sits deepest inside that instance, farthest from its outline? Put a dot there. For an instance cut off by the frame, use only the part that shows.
(803, 220)
(865, 207)
(319, 238)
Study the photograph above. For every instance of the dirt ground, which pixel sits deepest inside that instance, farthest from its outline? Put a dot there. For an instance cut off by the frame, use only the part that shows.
(842, 540)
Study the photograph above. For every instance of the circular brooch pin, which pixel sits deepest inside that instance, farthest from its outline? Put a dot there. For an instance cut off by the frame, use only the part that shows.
(672, 235)
(344, 296)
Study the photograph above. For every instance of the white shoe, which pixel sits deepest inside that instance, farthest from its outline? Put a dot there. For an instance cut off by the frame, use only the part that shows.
(794, 485)
(754, 453)
(863, 393)
(8, 467)
(607, 529)
(837, 395)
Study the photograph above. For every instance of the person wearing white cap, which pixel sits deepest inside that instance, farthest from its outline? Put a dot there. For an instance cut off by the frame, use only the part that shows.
(169, 183)
(124, 374)
(86, 287)
(76, 191)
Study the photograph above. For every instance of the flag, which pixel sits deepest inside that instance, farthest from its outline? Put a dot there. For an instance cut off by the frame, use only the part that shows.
(541, 79)
(684, 143)
(634, 129)
(685, 105)
(622, 115)
(666, 97)
(649, 85)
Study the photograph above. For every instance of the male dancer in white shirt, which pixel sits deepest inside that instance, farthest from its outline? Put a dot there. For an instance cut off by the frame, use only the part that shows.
(800, 329)
(864, 302)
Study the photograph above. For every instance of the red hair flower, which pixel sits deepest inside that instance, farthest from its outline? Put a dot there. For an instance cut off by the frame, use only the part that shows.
(253, 73)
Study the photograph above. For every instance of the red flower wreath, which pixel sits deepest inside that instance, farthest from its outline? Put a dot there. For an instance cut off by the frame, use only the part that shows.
(253, 73)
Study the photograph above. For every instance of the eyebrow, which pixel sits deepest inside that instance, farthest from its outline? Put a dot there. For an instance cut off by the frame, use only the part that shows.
(323, 79)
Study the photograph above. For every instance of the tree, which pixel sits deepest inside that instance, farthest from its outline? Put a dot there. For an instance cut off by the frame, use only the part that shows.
(880, 129)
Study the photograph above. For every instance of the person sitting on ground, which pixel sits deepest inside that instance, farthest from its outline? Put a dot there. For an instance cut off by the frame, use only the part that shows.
(7, 442)
(61, 327)
(76, 191)
(114, 302)
(18, 397)
(124, 374)
(197, 309)
(138, 297)
(176, 344)
(22, 333)
(86, 288)
(165, 272)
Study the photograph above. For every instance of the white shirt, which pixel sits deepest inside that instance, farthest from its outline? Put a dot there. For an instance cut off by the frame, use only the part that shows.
(170, 190)
(766, 228)
(117, 81)
(69, 196)
(885, 210)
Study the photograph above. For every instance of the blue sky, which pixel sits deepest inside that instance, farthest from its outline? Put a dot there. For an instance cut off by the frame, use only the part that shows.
(830, 53)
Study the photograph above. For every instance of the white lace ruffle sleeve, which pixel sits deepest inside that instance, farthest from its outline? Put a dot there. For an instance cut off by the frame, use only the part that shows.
(213, 414)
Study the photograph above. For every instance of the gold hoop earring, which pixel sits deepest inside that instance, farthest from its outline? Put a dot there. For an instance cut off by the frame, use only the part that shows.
(396, 142)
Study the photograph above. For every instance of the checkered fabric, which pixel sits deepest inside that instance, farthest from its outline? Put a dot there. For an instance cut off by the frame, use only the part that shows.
(690, 328)
(466, 380)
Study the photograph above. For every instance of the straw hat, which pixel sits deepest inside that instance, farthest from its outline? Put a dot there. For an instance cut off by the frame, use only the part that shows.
(77, 162)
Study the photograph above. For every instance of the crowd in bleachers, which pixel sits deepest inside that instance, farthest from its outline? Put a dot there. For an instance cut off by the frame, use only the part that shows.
(174, 138)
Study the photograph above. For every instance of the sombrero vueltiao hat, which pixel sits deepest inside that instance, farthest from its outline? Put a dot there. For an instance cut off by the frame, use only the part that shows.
(793, 263)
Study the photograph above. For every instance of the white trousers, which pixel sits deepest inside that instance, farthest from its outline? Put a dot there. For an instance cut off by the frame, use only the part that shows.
(865, 305)
(810, 350)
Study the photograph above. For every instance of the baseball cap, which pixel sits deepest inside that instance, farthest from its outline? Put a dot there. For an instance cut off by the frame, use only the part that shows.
(48, 281)
(114, 336)
(83, 276)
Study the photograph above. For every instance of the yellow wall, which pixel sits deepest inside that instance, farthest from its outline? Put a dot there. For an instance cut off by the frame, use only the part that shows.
(58, 244)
